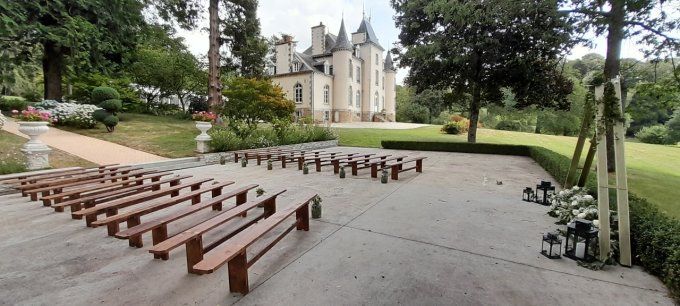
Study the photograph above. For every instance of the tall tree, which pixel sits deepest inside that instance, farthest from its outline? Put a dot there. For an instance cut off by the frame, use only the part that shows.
(478, 47)
(214, 82)
(242, 38)
(645, 20)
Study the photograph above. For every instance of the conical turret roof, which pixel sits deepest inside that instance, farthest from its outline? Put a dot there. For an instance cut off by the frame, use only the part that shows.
(389, 65)
(342, 43)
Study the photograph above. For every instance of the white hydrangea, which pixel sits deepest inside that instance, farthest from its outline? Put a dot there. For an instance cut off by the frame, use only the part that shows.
(573, 203)
(70, 113)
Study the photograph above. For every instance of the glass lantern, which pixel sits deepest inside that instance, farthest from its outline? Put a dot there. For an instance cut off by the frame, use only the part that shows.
(580, 236)
(551, 246)
(528, 194)
(547, 191)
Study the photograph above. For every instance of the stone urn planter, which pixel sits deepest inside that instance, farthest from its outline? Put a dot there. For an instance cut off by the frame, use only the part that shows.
(203, 139)
(36, 151)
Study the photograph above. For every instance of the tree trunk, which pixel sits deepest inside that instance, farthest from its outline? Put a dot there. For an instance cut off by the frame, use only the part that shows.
(474, 113)
(214, 85)
(612, 64)
(52, 64)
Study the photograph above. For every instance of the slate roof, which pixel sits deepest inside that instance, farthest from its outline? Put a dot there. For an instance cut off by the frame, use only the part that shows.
(389, 65)
(365, 27)
(342, 42)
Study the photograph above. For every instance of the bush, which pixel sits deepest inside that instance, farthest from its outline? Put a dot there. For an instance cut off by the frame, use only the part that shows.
(198, 104)
(509, 125)
(102, 93)
(225, 139)
(9, 166)
(655, 241)
(415, 113)
(32, 95)
(70, 114)
(110, 122)
(100, 115)
(9, 103)
(456, 127)
(656, 134)
(673, 126)
(113, 106)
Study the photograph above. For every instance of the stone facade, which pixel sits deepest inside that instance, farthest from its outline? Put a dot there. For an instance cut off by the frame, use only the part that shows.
(339, 78)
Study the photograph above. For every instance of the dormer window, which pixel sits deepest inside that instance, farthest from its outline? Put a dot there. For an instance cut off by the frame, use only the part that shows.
(357, 52)
(296, 66)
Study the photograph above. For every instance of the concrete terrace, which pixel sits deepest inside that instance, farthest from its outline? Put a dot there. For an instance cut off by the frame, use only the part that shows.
(448, 236)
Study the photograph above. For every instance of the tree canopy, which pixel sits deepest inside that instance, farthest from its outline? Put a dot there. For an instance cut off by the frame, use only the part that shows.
(479, 47)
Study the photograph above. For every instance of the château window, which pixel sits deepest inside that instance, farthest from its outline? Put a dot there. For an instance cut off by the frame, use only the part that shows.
(383, 103)
(358, 100)
(375, 102)
(326, 94)
(349, 96)
(376, 77)
(296, 67)
(298, 93)
(358, 74)
(377, 60)
(351, 70)
(383, 82)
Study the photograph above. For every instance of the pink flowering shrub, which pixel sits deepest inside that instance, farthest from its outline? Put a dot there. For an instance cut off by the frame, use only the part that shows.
(33, 114)
(204, 116)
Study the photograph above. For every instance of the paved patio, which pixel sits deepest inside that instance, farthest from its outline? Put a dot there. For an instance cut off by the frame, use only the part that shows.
(448, 236)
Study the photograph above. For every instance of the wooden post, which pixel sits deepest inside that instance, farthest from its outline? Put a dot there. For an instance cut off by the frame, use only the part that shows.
(302, 216)
(621, 185)
(602, 179)
(395, 171)
(194, 253)
(238, 274)
(136, 240)
(216, 193)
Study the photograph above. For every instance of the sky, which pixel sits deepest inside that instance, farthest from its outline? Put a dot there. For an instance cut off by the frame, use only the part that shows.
(298, 16)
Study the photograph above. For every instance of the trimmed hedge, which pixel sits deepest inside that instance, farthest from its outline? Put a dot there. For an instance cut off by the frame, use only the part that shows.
(655, 237)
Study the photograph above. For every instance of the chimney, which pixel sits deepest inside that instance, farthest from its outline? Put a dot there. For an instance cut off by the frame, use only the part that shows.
(318, 39)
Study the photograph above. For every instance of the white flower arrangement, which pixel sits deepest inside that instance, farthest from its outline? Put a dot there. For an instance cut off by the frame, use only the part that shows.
(573, 203)
(2, 120)
(71, 114)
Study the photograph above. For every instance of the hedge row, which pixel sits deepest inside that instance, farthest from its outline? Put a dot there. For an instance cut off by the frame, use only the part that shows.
(655, 237)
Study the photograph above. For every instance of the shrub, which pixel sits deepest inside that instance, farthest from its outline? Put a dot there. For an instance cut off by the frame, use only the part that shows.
(110, 122)
(655, 242)
(416, 113)
(113, 106)
(656, 134)
(456, 128)
(225, 139)
(32, 95)
(70, 114)
(100, 115)
(198, 104)
(102, 93)
(673, 126)
(8, 166)
(509, 125)
(9, 103)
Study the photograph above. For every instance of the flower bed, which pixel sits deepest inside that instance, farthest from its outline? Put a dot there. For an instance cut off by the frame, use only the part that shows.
(70, 114)
(655, 237)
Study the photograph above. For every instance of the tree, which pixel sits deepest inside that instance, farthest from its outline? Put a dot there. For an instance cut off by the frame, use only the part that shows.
(252, 100)
(243, 40)
(214, 82)
(619, 19)
(477, 48)
(435, 101)
(589, 62)
(83, 35)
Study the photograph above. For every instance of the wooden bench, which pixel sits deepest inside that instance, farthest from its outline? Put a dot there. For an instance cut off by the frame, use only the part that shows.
(397, 168)
(91, 200)
(296, 156)
(133, 217)
(362, 163)
(281, 155)
(11, 179)
(57, 197)
(99, 178)
(111, 208)
(233, 253)
(301, 159)
(251, 154)
(159, 226)
(328, 161)
(353, 160)
(381, 164)
(56, 177)
(193, 237)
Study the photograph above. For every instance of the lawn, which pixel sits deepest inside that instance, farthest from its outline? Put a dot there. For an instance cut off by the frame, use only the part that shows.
(10, 145)
(653, 170)
(164, 136)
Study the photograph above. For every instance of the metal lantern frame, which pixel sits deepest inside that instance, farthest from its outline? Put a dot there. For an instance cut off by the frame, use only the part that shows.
(548, 190)
(553, 241)
(580, 231)
(528, 195)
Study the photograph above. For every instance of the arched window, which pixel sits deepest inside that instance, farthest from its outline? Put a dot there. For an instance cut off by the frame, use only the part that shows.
(326, 94)
(358, 74)
(298, 93)
(383, 82)
(349, 96)
(351, 70)
(358, 100)
(375, 102)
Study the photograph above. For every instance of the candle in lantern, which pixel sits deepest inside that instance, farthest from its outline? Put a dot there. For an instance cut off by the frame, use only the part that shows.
(580, 250)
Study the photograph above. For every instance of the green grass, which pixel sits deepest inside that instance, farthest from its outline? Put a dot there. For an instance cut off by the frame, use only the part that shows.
(653, 170)
(11, 158)
(164, 136)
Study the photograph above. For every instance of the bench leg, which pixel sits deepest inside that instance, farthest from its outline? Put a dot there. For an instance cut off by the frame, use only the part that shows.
(194, 253)
(355, 170)
(238, 274)
(317, 162)
(283, 162)
(374, 170)
(216, 193)
(159, 235)
(336, 167)
(236, 157)
(135, 241)
(111, 227)
(395, 172)
(269, 207)
(301, 162)
(419, 165)
(172, 184)
(197, 198)
(240, 199)
(302, 216)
